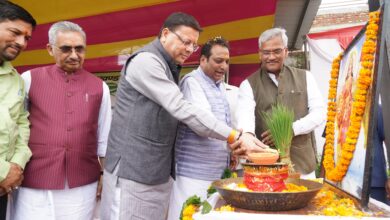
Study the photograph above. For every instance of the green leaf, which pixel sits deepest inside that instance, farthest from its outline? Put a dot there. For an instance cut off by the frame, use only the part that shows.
(279, 122)
(206, 207)
(211, 190)
(227, 173)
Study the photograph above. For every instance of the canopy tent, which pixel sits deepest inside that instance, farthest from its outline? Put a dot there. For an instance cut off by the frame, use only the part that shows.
(117, 28)
(343, 35)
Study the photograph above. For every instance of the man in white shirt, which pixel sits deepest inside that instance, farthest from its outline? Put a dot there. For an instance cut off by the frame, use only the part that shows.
(201, 160)
(275, 82)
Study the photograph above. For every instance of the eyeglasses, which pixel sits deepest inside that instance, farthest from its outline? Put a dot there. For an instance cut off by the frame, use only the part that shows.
(69, 49)
(188, 43)
(276, 52)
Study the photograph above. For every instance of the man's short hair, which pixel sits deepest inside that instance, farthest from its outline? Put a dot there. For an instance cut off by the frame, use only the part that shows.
(10, 11)
(180, 19)
(271, 33)
(64, 26)
(206, 49)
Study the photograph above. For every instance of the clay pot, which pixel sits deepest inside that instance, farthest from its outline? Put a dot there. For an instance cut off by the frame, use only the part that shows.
(263, 158)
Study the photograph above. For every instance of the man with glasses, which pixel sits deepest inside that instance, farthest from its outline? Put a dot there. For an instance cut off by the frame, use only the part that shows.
(140, 153)
(274, 83)
(16, 26)
(70, 115)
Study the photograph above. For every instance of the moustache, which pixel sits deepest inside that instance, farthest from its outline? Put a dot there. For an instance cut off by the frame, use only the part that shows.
(16, 47)
(73, 60)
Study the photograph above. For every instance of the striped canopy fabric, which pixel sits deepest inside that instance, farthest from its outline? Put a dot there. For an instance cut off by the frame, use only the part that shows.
(116, 28)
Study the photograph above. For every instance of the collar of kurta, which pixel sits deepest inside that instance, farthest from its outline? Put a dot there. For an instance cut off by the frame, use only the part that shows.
(264, 70)
(175, 69)
(208, 79)
(75, 75)
(6, 68)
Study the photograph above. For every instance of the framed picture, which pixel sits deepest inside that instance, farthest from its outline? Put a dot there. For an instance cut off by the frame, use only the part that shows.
(354, 159)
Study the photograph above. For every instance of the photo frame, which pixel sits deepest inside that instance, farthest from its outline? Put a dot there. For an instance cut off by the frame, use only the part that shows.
(356, 181)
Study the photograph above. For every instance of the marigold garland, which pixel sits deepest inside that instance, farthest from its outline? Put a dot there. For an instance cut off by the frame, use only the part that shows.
(337, 173)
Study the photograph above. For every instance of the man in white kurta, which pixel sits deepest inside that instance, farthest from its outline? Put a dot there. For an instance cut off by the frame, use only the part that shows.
(67, 45)
(273, 52)
(201, 160)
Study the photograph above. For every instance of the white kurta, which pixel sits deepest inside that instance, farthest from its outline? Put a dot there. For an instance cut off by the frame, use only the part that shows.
(183, 188)
(317, 110)
(67, 204)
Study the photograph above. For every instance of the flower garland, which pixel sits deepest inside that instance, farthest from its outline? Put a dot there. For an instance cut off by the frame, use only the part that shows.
(337, 173)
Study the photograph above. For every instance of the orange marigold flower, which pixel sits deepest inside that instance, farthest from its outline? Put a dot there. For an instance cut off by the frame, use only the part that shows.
(364, 71)
(372, 27)
(367, 64)
(369, 43)
(368, 57)
(351, 141)
(371, 36)
(349, 147)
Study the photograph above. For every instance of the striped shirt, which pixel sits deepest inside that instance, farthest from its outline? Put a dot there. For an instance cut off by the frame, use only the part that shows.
(201, 157)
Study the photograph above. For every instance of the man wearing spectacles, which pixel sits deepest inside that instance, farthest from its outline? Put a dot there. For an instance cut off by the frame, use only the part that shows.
(140, 153)
(70, 115)
(16, 26)
(274, 83)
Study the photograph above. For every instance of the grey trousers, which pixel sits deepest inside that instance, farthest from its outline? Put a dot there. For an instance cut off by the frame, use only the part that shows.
(124, 199)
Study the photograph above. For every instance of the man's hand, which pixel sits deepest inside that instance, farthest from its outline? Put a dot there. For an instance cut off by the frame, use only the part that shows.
(99, 188)
(236, 149)
(248, 143)
(251, 144)
(14, 178)
(100, 182)
(233, 162)
(267, 139)
(387, 186)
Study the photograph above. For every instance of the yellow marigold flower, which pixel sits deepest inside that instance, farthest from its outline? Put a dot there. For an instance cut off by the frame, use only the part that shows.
(367, 64)
(225, 208)
(189, 210)
(368, 57)
(369, 44)
(329, 151)
(364, 71)
(372, 27)
(372, 36)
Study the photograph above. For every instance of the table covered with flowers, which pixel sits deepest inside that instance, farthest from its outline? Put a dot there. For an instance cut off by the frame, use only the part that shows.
(329, 203)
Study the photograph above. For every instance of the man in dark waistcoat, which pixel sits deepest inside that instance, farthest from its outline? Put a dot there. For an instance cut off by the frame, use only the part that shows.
(140, 154)
(274, 83)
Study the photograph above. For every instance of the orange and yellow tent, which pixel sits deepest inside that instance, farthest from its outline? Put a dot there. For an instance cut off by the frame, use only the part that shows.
(116, 28)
